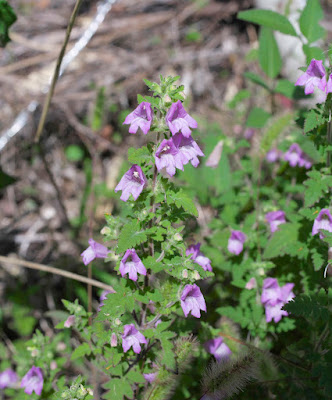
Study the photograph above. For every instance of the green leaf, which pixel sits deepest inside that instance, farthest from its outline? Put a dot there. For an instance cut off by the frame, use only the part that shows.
(240, 96)
(257, 118)
(313, 52)
(130, 236)
(311, 306)
(139, 156)
(274, 130)
(182, 199)
(168, 354)
(5, 180)
(269, 19)
(268, 53)
(118, 389)
(317, 186)
(256, 79)
(7, 18)
(74, 153)
(288, 89)
(311, 15)
(317, 259)
(81, 351)
(313, 119)
(117, 304)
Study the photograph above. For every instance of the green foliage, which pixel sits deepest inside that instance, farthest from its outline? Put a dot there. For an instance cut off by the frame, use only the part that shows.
(181, 199)
(5, 179)
(313, 119)
(74, 153)
(268, 53)
(7, 18)
(274, 130)
(309, 21)
(269, 19)
(131, 236)
(317, 186)
(99, 110)
(257, 118)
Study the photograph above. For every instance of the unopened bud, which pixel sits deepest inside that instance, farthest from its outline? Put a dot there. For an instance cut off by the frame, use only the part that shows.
(261, 271)
(178, 237)
(90, 392)
(167, 99)
(69, 321)
(196, 276)
(185, 274)
(106, 230)
(117, 321)
(53, 365)
(114, 340)
(61, 346)
(251, 284)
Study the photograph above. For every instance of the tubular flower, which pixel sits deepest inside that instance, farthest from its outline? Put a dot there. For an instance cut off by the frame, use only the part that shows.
(70, 321)
(141, 117)
(274, 298)
(323, 221)
(132, 266)
(132, 182)
(95, 250)
(313, 77)
(8, 378)
(167, 156)
(235, 242)
(275, 218)
(199, 257)
(132, 338)
(33, 381)
(218, 349)
(295, 156)
(178, 120)
(192, 301)
(188, 149)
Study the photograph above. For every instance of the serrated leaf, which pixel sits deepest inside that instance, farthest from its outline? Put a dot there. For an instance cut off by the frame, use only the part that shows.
(317, 259)
(313, 52)
(157, 233)
(118, 389)
(5, 180)
(130, 237)
(139, 156)
(309, 21)
(182, 199)
(274, 130)
(81, 351)
(311, 306)
(269, 19)
(317, 186)
(151, 263)
(313, 119)
(268, 53)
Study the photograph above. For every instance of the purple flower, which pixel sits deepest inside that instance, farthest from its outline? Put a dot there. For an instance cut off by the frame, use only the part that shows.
(33, 381)
(103, 297)
(167, 156)
(251, 284)
(215, 156)
(218, 349)
(274, 298)
(329, 85)
(273, 155)
(8, 378)
(114, 340)
(69, 321)
(188, 149)
(133, 266)
(132, 338)
(275, 218)
(132, 182)
(150, 377)
(323, 221)
(192, 300)
(235, 242)
(295, 156)
(249, 133)
(141, 117)
(313, 77)
(95, 250)
(199, 257)
(178, 119)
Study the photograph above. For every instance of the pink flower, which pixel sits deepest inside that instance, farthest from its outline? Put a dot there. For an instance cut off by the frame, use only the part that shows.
(8, 378)
(132, 182)
(114, 340)
(251, 284)
(132, 338)
(132, 266)
(33, 381)
(70, 321)
(199, 257)
(313, 77)
(178, 120)
(218, 349)
(274, 298)
(215, 156)
(329, 85)
(95, 250)
(150, 377)
(323, 221)
(235, 242)
(275, 218)
(295, 156)
(192, 301)
(141, 117)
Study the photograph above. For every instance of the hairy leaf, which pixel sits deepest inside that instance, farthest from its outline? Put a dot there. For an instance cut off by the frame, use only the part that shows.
(130, 236)
(309, 21)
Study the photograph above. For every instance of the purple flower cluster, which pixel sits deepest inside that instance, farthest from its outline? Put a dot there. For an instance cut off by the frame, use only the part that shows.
(275, 297)
(315, 76)
(323, 221)
(199, 257)
(235, 242)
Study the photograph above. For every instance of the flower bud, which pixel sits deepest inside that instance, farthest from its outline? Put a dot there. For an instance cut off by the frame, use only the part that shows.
(167, 99)
(69, 321)
(114, 340)
(185, 273)
(196, 275)
(53, 365)
(105, 231)
(117, 321)
(177, 237)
